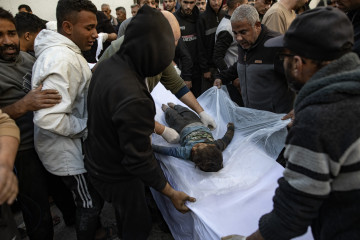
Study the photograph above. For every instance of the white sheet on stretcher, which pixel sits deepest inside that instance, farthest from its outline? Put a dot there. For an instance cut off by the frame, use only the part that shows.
(232, 200)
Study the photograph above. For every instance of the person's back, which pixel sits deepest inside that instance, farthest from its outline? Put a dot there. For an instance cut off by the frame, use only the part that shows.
(278, 18)
(320, 181)
(119, 158)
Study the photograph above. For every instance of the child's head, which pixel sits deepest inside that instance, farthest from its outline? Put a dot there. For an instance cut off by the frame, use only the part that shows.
(207, 157)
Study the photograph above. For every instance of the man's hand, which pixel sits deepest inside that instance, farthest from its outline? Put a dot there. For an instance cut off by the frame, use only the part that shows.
(207, 120)
(188, 84)
(234, 237)
(290, 115)
(170, 135)
(236, 83)
(38, 99)
(177, 198)
(218, 82)
(8, 185)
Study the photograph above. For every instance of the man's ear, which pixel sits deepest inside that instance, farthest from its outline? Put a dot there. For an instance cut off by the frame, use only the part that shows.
(258, 25)
(67, 27)
(27, 36)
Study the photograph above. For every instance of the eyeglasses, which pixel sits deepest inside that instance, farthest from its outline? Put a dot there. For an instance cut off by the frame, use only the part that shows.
(283, 55)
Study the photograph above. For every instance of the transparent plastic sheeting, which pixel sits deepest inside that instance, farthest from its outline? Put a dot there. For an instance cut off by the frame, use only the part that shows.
(232, 200)
(244, 160)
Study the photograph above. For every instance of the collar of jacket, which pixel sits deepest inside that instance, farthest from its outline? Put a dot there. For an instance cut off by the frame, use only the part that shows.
(264, 29)
(341, 76)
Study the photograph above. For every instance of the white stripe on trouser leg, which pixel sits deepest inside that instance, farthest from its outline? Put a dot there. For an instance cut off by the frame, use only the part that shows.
(86, 190)
(81, 192)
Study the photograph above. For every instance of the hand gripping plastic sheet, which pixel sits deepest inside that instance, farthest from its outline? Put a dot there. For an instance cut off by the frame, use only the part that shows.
(232, 200)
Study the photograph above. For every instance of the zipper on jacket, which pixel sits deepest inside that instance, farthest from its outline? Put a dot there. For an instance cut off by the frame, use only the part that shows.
(247, 95)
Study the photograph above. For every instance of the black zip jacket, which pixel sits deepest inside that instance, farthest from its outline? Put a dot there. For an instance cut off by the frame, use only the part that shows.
(188, 31)
(262, 81)
(183, 60)
(206, 28)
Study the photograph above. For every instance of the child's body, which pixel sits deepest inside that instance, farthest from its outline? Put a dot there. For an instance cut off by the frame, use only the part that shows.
(196, 140)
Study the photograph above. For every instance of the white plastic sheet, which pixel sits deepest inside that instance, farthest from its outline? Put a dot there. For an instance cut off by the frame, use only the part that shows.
(232, 200)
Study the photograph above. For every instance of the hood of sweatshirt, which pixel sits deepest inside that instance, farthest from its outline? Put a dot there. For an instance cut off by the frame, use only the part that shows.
(48, 39)
(149, 44)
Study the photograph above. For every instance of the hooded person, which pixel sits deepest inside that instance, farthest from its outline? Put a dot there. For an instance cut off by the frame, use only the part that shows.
(118, 153)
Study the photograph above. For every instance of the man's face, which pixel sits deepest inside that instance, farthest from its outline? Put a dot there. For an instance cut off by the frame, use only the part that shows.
(83, 32)
(215, 4)
(201, 4)
(187, 6)
(169, 5)
(293, 82)
(9, 41)
(150, 3)
(121, 16)
(134, 10)
(106, 10)
(347, 5)
(245, 34)
(31, 40)
(262, 6)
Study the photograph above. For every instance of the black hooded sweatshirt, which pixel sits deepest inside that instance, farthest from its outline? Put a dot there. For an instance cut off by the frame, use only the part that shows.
(188, 31)
(120, 107)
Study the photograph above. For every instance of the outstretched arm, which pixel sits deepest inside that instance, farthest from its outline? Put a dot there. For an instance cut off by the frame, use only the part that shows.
(179, 152)
(224, 142)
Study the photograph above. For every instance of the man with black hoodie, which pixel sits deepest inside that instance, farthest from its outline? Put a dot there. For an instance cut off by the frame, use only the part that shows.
(119, 158)
(187, 16)
(206, 28)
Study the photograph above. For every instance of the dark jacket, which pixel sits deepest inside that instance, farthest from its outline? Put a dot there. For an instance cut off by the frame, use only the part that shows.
(188, 31)
(206, 28)
(104, 25)
(121, 109)
(321, 184)
(354, 17)
(262, 81)
(183, 60)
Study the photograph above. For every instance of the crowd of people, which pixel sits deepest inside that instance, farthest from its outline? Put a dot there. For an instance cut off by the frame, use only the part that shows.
(76, 112)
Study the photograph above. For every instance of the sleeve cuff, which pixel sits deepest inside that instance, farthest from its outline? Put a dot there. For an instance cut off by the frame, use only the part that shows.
(184, 90)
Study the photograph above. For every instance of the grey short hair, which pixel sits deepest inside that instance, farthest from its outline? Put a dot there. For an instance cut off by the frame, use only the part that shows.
(105, 5)
(245, 12)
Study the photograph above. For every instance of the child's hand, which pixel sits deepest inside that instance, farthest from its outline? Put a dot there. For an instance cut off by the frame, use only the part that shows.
(230, 125)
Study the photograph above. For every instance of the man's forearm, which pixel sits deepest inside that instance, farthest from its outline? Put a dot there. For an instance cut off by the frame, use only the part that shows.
(8, 150)
(190, 100)
(15, 110)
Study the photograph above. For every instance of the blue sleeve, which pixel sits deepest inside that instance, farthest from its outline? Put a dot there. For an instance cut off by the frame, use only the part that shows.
(179, 152)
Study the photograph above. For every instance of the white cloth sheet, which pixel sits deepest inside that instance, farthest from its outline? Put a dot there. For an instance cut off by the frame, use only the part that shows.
(232, 200)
